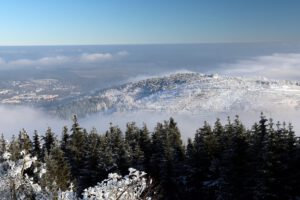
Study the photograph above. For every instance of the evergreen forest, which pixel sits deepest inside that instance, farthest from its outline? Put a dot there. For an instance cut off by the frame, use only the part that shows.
(222, 161)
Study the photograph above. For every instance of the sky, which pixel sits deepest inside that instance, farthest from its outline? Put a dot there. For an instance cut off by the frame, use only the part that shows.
(91, 22)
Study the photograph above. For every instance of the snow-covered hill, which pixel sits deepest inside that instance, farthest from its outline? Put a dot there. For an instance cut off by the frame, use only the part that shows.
(189, 93)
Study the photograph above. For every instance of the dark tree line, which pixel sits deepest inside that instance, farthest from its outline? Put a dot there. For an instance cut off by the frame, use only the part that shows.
(220, 162)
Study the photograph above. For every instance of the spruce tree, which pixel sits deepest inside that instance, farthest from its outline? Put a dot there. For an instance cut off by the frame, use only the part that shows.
(24, 141)
(159, 148)
(58, 175)
(65, 139)
(158, 161)
(49, 141)
(145, 146)
(233, 163)
(36, 149)
(132, 139)
(76, 155)
(198, 163)
(260, 160)
(120, 151)
(176, 159)
(106, 159)
(92, 167)
(167, 158)
(2, 147)
(14, 149)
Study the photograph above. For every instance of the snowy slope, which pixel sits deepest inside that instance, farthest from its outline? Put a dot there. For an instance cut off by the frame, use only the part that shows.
(189, 93)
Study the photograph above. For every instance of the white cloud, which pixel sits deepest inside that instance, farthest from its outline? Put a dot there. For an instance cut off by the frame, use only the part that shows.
(60, 60)
(277, 66)
(95, 57)
(41, 62)
(54, 60)
(45, 61)
(100, 57)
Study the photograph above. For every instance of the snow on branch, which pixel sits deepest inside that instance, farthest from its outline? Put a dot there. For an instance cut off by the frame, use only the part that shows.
(116, 187)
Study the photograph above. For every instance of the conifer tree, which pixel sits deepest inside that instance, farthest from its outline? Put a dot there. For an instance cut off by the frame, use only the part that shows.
(233, 163)
(223, 162)
(14, 149)
(2, 147)
(210, 141)
(260, 156)
(159, 145)
(58, 176)
(177, 157)
(293, 178)
(174, 137)
(167, 157)
(24, 141)
(119, 149)
(65, 140)
(198, 163)
(76, 155)
(49, 141)
(132, 139)
(106, 159)
(218, 132)
(92, 169)
(158, 161)
(36, 149)
(145, 146)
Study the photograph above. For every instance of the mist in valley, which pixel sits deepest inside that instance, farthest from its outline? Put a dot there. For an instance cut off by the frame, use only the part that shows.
(93, 68)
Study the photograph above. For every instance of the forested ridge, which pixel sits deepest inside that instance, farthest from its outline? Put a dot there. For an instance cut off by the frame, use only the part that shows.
(222, 161)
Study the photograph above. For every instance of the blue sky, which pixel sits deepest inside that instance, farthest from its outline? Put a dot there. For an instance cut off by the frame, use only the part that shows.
(52, 22)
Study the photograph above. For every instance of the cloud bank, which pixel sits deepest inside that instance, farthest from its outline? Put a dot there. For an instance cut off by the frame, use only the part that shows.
(32, 119)
(275, 66)
(18, 117)
(59, 60)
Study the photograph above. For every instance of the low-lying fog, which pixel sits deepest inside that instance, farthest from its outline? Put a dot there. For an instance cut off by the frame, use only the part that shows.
(95, 67)
(13, 119)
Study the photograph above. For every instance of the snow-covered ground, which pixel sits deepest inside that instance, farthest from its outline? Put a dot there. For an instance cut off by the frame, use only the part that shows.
(193, 93)
(190, 98)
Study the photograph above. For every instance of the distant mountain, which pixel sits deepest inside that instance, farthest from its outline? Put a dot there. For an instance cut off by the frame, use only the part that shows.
(187, 93)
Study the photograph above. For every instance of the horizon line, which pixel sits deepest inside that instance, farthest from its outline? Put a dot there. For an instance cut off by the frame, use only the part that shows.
(141, 44)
